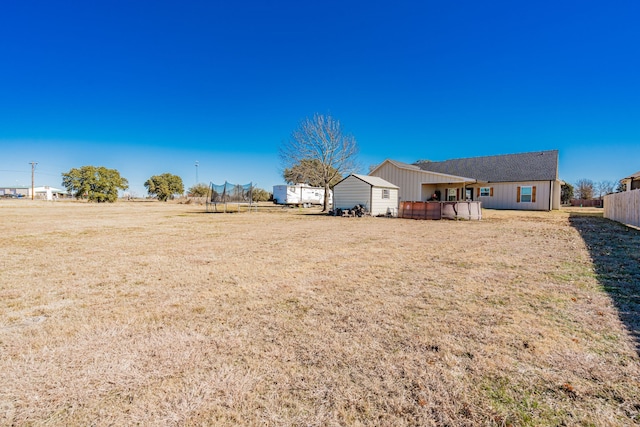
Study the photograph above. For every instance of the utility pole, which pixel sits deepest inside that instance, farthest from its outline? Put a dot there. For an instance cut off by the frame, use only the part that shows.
(33, 170)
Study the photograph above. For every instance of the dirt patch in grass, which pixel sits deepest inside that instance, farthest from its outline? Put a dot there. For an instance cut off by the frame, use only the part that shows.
(160, 314)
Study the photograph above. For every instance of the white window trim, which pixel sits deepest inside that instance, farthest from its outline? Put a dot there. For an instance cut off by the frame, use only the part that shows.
(485, 191)
(523, 195)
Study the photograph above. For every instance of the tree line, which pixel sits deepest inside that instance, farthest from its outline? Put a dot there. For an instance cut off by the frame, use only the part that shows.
(318, 153)
(586, 189)
(100, 184)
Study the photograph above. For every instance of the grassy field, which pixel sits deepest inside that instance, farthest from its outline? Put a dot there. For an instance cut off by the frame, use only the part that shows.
(161, 314)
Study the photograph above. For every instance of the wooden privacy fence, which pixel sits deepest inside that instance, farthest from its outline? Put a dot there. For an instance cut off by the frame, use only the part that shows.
(590, 203)
(623, 207)
(439, 210)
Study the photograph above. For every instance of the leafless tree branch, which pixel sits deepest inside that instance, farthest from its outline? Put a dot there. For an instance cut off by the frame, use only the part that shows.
(321, 138)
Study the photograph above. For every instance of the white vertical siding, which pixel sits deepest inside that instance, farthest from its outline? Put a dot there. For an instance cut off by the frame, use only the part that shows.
(350, 192)
(557, 195)
(380, 206)
(353, 191)
(410, 182)
(505, 196)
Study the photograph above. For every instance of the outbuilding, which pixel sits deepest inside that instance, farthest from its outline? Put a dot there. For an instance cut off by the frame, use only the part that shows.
(377, 196)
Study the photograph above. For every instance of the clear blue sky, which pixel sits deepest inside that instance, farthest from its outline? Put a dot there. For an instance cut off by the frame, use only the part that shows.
(148, 87)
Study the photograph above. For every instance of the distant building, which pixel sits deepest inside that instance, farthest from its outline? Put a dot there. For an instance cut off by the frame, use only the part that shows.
(15, 191)
(42, 193)
(632, 182)
(48, 193)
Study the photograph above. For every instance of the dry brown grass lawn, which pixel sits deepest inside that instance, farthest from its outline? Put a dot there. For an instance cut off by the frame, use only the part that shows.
(160, 314)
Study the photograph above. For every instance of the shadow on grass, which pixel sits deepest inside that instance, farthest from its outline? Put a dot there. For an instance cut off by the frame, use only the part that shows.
(615, 252)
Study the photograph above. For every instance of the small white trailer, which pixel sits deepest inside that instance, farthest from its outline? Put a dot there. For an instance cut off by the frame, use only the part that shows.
(299, 194)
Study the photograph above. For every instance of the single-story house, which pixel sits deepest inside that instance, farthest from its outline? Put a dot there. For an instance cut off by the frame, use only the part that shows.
(376, 195)
(527, 181)
(632, 182)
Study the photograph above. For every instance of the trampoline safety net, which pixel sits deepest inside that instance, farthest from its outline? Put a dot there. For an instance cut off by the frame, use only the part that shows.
(229, 193)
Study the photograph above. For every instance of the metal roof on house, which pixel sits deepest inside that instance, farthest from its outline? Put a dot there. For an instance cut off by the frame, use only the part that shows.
(374, 181)
(534, 166)
(407, 166)
(403, 165)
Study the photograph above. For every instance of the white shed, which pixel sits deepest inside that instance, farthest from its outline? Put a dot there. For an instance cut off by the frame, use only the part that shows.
(379, 197)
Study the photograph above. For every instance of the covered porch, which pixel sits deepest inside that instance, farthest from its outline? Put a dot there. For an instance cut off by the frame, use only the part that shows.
(451, 191)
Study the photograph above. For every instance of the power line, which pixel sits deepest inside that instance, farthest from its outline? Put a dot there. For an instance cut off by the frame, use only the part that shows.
(40, 172)
(48, 173)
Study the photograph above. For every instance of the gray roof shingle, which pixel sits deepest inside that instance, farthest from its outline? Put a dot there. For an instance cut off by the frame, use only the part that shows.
(534, 166)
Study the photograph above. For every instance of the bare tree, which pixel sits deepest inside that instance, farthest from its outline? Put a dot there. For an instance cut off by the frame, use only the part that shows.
(604, 187)
(584, 189)
(321, 138)
(310, 172)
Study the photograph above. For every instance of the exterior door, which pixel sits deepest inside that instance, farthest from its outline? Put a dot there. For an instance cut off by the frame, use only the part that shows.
(469, 194)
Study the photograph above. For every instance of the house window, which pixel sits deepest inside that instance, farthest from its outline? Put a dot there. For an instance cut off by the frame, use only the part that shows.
(526, 194)
(485, 191)
(385, 193)
(451, 195)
